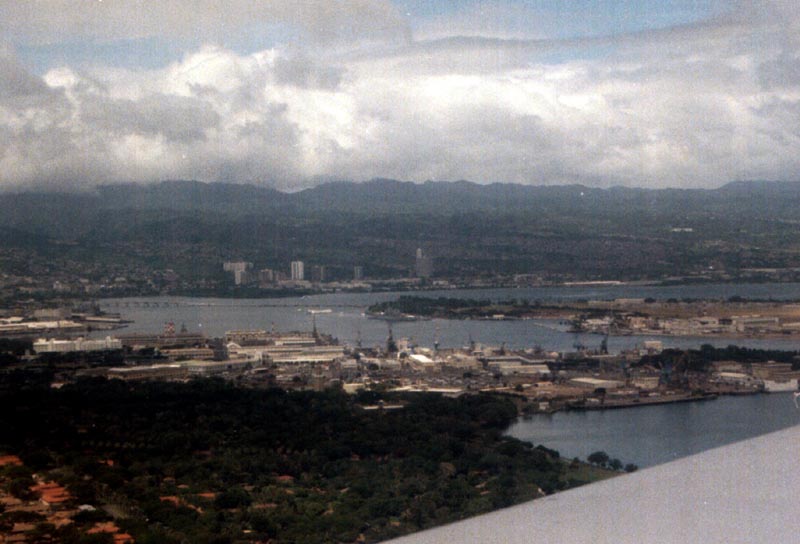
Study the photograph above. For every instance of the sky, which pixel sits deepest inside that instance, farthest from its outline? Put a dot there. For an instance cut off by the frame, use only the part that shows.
(293, 93)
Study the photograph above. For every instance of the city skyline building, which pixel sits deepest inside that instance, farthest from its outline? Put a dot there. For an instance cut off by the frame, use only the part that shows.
(423, 267)
(318, 273)
(298, 272)
(266, 275)
(240, 270)
(234, 266)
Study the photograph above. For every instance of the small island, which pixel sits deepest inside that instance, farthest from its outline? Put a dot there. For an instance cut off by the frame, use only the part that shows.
(732, 318)
(417, 307)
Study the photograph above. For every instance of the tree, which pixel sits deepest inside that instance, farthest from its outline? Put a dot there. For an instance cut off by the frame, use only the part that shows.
(20, 488)
(232, 497)
(599, 458)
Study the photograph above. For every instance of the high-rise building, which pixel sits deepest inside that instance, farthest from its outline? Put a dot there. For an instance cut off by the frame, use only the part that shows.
(233, 266)
(317, 273)
(242, 277)
(424, 265)
(298, 274)
(358, 272)
(266, 275)
(240, 271)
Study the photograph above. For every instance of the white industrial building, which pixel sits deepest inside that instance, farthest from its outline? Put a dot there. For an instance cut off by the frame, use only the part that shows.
(79, 344)
(596, 383)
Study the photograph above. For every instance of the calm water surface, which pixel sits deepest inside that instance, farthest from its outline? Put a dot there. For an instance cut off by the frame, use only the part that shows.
(348, 323)
(652, 435)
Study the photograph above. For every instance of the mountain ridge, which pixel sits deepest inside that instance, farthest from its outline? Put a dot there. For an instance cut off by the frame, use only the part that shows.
(71, 215)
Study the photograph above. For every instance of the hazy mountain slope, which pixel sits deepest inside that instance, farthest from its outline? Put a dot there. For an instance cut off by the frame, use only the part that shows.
(470, 228)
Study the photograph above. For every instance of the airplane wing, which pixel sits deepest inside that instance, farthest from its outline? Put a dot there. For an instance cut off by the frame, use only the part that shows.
(746, 492)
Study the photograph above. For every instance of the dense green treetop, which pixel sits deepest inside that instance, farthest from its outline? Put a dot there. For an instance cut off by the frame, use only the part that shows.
(249, 465)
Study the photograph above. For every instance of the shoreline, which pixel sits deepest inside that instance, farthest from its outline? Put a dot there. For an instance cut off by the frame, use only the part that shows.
(580, 405)
(646, 401)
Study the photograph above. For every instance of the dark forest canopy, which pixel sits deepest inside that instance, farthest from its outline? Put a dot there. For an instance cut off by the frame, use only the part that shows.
(290, 467)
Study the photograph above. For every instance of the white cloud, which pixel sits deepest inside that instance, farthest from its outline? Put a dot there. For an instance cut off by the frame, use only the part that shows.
(693, 106)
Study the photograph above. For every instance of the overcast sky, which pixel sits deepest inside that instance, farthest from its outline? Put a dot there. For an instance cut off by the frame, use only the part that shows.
(291, 93)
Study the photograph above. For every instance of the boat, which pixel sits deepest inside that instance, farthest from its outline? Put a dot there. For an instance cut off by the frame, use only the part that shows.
(396, 316)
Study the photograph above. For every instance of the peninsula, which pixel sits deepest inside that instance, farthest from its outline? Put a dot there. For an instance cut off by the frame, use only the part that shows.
(732, 318)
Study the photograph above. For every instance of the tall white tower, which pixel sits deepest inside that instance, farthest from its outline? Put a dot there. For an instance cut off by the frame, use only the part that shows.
(298, 274)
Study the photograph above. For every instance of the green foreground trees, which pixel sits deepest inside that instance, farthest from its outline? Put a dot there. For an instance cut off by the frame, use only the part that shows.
(207, 461)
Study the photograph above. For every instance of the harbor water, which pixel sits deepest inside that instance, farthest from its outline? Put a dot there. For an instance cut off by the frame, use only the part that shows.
(347, 321)
(651, 435)
(644, 436)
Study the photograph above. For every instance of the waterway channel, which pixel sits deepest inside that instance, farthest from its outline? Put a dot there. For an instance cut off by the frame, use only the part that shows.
(347, 322)
(645, 436)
